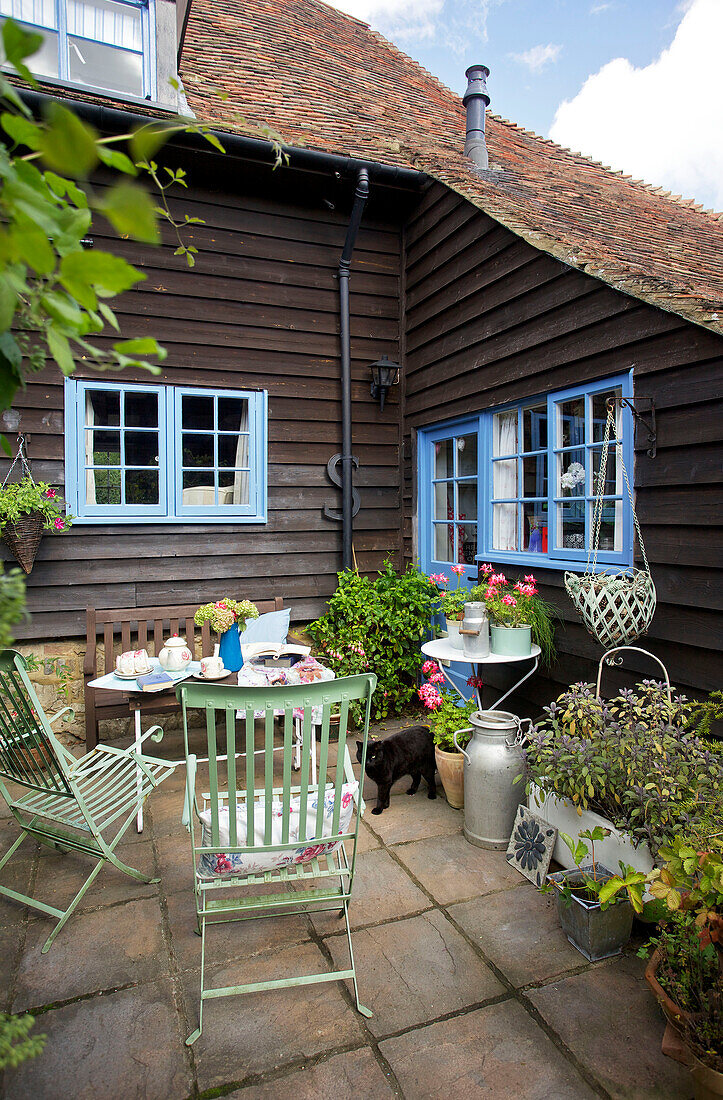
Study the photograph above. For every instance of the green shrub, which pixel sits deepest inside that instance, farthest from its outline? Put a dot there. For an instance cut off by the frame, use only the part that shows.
(16, 1044)
(451, 716)
(377, 624)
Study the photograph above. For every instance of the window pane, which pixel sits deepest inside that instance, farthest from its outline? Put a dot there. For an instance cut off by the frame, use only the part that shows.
(233, 488)
(141, 410)
(534, 476)
(142, 487)
(39, 12)
(103, 487)
(45, 61)
(233, 414)
(504, 523)
(612, 485)
(504, 433)
(444, 458)
(600, 412)
(534, 527)
(141, 448)
(467, 543)
(102, 407)
(104, 66)
(198, 450)
(105, 21)
(197, 412)
(570, 526)
(611, 526)
(233, 451)
(467, 499)
(199, 479)
(102, 448)
(467, 456)
(570, 422)
(444, 500)
(571, 474)
(443, 550)
(505, 478)
(534, 420)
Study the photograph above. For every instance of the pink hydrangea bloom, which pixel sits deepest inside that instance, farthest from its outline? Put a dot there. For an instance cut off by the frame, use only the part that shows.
(509, 600)
(59, 524)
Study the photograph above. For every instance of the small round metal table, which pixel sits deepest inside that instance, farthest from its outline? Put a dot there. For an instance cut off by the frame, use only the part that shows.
(441, 650)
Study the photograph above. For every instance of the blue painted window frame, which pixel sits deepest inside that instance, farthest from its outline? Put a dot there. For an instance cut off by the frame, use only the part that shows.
(170, 508)
(148, 35)
(554, 558)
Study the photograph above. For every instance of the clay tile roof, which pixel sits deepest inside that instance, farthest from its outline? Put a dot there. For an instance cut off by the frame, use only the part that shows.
(327, 81)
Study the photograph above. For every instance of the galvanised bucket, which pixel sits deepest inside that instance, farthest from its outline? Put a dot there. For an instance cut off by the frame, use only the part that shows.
(511, 641)
(596, 934)
(493, 759)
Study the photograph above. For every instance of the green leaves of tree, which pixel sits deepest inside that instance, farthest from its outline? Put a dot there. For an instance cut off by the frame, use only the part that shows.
(130, 211)
(67, 144)
(100, 272)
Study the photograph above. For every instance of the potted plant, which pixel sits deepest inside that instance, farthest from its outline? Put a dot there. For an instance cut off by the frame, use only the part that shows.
(452, 603)
(703, 1034)
(518, 617)
(224, 617)
(594, 916)
(450, 715)
(633, 765)
(27, 508)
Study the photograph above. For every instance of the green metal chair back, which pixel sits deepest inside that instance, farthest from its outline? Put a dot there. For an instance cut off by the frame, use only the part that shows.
(224, 702)
(29, 752)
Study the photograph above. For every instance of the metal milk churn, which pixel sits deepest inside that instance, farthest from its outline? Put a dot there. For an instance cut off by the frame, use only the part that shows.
(493, 758)
(475, 631)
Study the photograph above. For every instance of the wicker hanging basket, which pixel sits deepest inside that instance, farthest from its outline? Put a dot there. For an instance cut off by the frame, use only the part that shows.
(616, 608)
(23, 538)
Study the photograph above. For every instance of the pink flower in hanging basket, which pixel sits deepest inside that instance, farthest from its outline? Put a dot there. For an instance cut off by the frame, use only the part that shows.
(50, 494)
(59, 524)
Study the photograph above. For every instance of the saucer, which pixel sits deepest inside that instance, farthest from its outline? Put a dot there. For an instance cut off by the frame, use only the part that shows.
(221, 676)
(131, 675)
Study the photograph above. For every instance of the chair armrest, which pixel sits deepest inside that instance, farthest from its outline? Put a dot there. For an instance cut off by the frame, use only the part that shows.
(155, 733)
(190, 792)
(351, 778)
(89, 662)
(60, 714)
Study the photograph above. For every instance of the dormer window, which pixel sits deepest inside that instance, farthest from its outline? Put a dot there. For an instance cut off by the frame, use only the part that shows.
(103, 44)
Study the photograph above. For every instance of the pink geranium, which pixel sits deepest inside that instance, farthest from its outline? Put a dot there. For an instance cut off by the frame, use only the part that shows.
(475, 682)
(59, 524)
(429, 667)
(510, 601)
(486, 568)
(50, 494)
(498, 578)
(430, 696)
(529, 579)
(438, 579)
(458, 569)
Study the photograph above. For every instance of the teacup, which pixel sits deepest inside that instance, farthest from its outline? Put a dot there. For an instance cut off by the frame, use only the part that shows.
(133, 662)
(211, 666)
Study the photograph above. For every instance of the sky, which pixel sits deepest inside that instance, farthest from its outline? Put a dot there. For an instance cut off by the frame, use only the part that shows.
(636, 84)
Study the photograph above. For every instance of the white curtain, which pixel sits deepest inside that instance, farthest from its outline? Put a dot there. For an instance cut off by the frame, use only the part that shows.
(504, 523)
(114, 24)
(40, 12)
(89, 423)
(241, 477)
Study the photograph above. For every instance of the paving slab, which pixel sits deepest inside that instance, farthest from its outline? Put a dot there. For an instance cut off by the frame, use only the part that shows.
(257, 1032)
(496, 1053)
(11, 940)
(127, 1044)
(15, 875)
(381, 892)
(452, 869)
(415, 817)
(519, 931)
(175, 865)
(354, 1073)
(100, 950)
(609, 1018)
(228, 940)
(59, 879)
(415, 970)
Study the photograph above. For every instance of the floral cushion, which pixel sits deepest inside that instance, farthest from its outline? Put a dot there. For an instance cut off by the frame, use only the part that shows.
(217, 864)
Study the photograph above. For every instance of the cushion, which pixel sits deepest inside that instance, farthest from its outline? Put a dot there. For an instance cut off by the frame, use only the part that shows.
(271, 627)
(217, 864)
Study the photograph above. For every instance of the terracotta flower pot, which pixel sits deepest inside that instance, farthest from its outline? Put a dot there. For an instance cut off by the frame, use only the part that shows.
(674, 1014)
(450, 766)
(707, 1082)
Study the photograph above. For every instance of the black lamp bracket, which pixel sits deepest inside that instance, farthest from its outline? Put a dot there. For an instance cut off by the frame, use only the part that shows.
(648, 424)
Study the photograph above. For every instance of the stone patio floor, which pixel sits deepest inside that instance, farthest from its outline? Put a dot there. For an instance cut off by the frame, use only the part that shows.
(475, 990)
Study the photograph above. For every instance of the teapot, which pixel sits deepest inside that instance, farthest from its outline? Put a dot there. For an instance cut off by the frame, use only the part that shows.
(175, 655)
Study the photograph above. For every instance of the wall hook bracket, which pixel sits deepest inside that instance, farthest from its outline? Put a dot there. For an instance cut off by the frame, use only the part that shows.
(648, 424)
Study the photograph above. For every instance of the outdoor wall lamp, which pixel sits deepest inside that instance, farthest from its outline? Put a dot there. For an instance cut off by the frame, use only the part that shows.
(384, 374)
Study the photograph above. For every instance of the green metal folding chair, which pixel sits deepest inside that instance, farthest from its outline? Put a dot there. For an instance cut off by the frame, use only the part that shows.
(292, 828)
(66, 803)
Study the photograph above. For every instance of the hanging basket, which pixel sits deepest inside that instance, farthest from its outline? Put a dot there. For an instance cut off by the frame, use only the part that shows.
(23, 538)
(615, 608)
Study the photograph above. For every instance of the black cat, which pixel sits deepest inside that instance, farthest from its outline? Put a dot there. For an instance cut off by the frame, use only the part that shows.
(409, 752)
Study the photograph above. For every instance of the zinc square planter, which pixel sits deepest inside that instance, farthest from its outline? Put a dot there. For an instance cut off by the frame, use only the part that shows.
(596, 933)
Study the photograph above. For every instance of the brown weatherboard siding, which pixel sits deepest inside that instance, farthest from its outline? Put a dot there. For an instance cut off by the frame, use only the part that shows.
(490, 319)
(259, 310)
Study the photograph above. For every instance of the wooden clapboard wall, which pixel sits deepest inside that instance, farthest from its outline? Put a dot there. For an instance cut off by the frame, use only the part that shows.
(259, 310)
(490, 319)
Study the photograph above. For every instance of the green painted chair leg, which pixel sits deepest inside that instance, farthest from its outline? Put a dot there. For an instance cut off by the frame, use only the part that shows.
(129, 870)
(73, 905)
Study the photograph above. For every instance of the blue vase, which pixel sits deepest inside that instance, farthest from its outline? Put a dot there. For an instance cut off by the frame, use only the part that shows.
(230, 650)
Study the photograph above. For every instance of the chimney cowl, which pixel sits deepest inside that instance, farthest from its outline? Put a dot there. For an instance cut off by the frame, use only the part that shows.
(476, 101)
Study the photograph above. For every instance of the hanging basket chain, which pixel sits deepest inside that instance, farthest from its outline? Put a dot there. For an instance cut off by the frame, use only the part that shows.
(22, 458)
(600, 492)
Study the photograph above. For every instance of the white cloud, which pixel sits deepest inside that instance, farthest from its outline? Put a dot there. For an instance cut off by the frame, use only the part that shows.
(661, 122)
(538, 56)
(598, 9)
(450, 23)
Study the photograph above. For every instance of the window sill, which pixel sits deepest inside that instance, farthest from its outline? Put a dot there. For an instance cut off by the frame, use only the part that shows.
(114, 521)
(540, 561)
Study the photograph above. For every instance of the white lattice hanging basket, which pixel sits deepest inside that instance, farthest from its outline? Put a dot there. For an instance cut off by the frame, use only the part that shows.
(616, 608)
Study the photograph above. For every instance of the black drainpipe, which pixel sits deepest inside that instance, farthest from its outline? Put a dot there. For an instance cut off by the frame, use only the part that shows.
(349, 498)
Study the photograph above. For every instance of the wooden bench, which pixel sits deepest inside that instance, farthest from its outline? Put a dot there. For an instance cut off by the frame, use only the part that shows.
(139, 628)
